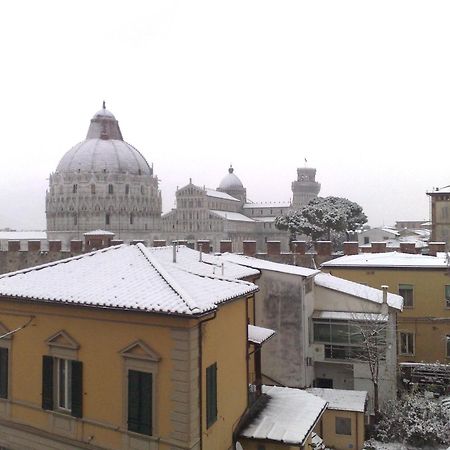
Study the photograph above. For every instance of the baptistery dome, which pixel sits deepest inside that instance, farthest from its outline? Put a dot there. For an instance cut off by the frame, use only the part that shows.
(104, 150)
(103, 183)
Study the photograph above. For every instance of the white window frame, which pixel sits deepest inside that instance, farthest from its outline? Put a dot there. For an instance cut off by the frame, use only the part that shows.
(408, 350)
(63, 383)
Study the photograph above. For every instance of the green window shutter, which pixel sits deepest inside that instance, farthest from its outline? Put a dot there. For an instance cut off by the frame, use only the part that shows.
(211, 394)
(47, 382)
(3, 373)
(140, 402)
(77, 388)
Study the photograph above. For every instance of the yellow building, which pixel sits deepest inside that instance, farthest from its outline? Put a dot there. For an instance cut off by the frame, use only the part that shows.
(440, 214)
(116, 350)
(423, 326)
(127, 348)
(343, 424)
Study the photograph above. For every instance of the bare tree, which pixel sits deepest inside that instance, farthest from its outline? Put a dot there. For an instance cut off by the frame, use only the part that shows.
(369, 333)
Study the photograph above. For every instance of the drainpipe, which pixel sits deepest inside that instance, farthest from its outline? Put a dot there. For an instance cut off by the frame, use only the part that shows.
(200, 373)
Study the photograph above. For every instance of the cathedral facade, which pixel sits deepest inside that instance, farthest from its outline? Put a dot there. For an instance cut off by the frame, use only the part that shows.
(225, 214)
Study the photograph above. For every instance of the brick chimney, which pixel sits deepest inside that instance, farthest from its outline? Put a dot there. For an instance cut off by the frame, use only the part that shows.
(249, 248)
(351, 248)
(273, 247)
(226, 247)
(435, 247)
(76, 246)
(54, 246)
(298, 247)
(407, 247)
(205, 245)
(378, 247)
(323, 248)
(34, 246)
(13, 246)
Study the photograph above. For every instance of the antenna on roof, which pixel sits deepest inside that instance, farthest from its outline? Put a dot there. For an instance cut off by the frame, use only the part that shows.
(104, 104)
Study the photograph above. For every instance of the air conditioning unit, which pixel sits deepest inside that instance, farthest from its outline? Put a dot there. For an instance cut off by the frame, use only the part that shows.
(318, 352)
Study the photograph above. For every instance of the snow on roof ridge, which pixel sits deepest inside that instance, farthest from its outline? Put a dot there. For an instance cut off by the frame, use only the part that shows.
(212, 276)
(184, 296)
(365, 292)
(59, 261)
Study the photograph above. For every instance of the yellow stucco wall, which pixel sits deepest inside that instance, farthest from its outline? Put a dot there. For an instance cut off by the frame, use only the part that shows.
(101, 335)
(429, 318)
(327, 430)
(225, 343)
(252, 444)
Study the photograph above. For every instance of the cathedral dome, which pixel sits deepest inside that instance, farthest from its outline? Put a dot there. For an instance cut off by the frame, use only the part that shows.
(104, 150)
(230, 181)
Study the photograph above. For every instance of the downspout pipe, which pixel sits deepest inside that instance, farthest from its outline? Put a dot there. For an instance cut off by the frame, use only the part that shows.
(200, 372)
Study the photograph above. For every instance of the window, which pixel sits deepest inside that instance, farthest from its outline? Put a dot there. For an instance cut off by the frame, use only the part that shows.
(4, 368)
(131, 219)
(447, 344)
(406, 342)
(127, 189)
(447, 296)
(344, 425)
(140, 402)
(62, 387)
(366, 240)
(74, 188)
(92, 188)
(75, 219)
(107, 219)
(140, 381)
(211, 394)
(110, 189)
(407, 292)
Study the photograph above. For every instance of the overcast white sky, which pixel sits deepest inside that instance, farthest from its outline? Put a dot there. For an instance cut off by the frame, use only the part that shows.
(361, 89)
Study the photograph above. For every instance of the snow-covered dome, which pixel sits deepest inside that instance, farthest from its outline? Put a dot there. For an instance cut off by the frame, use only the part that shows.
(104, 150)
(230, 181)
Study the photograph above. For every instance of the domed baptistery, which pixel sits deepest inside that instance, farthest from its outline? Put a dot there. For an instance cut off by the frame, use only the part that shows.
(103, 183)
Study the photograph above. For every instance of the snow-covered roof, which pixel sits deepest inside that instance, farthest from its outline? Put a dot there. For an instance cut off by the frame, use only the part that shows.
(268, 265)
(98, 233)
(288, 417)
(389, 259)
(232, 216)
(348, 315)
(267, 205)
(442, 190)
(222, 195)
(123, 277)
(259, 335)
(23, 235)
(340, 399)
(357, 290)
(264, 219)
(189, 260)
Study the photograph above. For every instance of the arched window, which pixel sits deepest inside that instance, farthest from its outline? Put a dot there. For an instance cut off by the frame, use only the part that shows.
(110, 189)
(75, 188)
(92, 188)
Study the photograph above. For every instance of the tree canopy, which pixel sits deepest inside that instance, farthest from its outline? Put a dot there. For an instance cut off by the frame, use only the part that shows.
(323, 215)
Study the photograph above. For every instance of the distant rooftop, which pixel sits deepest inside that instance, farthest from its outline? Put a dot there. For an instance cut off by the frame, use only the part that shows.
(340, 399)
(390, 259)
